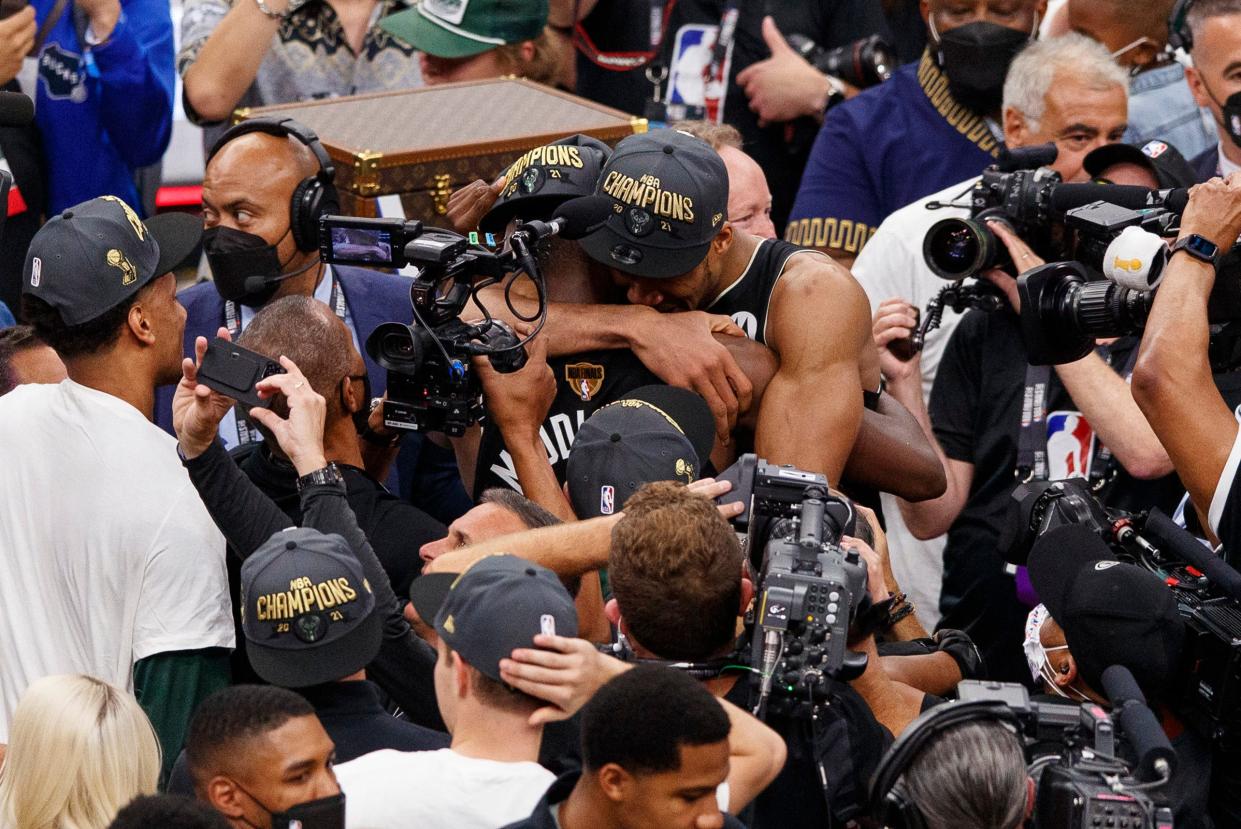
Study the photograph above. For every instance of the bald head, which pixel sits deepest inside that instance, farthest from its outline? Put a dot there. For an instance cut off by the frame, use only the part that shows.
(308, 333)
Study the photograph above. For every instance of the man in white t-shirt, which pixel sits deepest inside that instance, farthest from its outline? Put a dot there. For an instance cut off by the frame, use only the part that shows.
(1047, 98)
(489, 776)
(109, 563)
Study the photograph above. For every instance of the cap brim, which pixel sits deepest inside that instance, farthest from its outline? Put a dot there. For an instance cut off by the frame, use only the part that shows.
(689, 411)
(655, 263)
(178, 235)
(1109, 155)
(428, 35)
(1057, 558)
(538, 207)
(427, 593)
(315, 665)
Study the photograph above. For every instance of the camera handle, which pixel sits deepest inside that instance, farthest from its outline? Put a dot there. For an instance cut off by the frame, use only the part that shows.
(960, 298)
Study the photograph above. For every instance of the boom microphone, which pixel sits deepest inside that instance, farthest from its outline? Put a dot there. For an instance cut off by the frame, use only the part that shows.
(1156, 757)
(1069, 196)
(16, 109)
(574, 219)
(1184, 546)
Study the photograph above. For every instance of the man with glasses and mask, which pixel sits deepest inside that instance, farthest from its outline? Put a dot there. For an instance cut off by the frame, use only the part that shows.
(1214, 30)
(260, 757)
(935, 122)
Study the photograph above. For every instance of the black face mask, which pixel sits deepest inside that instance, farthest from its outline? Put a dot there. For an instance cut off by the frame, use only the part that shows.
(976, 57)
(245, 267)
(324, 813)
(1230, 111)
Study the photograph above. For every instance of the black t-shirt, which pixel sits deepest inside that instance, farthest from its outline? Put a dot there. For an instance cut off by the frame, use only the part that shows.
(843, 748)
(395, 529)
(976, 409)
(584, 383)
(623, 25)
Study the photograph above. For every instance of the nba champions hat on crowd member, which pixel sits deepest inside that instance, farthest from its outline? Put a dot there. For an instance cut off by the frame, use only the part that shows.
(498, 604)
(546, 177)
(655, 433)
(461, 28)
(669, 193)
(308, 612)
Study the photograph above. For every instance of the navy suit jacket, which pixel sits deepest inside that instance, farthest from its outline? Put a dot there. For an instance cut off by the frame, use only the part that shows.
(1207, 165)
(427, 474)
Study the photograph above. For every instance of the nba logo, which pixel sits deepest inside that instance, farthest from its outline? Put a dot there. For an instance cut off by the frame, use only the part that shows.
(607, 500)
(1070, 446)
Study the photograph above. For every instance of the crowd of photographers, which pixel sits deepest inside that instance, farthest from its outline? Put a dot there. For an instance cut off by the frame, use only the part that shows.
(859, 447)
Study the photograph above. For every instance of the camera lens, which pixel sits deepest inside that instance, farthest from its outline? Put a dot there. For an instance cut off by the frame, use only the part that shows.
(957, 248)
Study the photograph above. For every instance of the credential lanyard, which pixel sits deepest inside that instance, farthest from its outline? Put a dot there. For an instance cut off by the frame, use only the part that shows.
(660, 11)
(1032, 438)
(246, 433)
(714, 81)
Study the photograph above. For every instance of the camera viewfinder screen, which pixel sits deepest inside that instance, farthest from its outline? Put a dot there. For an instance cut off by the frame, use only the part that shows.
(359, 244)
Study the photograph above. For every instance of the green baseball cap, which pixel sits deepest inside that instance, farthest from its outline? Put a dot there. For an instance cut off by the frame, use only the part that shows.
(461, 28)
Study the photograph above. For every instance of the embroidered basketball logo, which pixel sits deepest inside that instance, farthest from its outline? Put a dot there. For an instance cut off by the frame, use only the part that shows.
(607, 500)
(36, 271)
(1070, 446)
(584, 378)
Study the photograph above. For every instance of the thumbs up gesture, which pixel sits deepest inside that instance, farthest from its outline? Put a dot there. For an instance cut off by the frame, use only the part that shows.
(784, 86)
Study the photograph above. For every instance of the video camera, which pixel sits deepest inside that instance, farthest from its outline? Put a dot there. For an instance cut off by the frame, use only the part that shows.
(809, 588)
(1113, 229)
(431, 384)
(864, 63)
(1076, 755)
(1207, 694)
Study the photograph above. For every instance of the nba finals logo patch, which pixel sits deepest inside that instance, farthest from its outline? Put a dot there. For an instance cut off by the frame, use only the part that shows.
(584, 378)
(607, 500)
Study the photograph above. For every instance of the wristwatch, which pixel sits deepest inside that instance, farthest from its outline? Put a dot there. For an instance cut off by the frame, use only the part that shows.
(271, 13)
(1199, 247)
(327, 475)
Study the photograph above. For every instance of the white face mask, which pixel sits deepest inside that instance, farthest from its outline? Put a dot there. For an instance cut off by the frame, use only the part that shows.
(1116, 56)
(1036, 654)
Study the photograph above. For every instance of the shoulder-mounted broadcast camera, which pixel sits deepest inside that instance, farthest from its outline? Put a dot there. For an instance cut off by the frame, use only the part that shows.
(809, 589)
(431, 385)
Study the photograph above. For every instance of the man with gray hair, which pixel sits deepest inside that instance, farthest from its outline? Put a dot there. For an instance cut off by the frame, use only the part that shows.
(1067, 91)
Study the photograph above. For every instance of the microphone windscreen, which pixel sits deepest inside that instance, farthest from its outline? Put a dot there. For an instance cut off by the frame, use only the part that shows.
(16, 109)
(1135, 259)
(1068, 196)
(1120, 686)
(254, 284)
(583, 215)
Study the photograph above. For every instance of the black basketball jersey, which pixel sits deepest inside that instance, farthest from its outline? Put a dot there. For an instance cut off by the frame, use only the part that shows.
(748, 299)
(584, 382)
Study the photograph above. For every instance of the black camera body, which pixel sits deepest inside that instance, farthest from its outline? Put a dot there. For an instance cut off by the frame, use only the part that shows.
(809, 588)
(1072, 753)
(431, 385)
(1018, 192)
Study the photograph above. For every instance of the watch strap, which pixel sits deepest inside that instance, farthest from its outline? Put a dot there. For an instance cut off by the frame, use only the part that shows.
(329, 474)
(1199, 247)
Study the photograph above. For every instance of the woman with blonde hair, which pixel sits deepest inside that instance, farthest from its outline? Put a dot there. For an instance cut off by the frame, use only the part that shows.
(79, 750)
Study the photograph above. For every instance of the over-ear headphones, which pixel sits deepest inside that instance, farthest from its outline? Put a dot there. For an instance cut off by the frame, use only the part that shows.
(315, 195)
(1179, 35)
(888, 802)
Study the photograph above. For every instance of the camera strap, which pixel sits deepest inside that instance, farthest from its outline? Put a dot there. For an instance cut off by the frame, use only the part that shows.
(247, 434)
(1032, 464)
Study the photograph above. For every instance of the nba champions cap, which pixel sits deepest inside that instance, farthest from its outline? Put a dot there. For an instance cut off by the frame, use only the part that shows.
(500, 603)
(97, 254)
(308, 612)
(669, 193)
(546, 177)
(655, 433)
